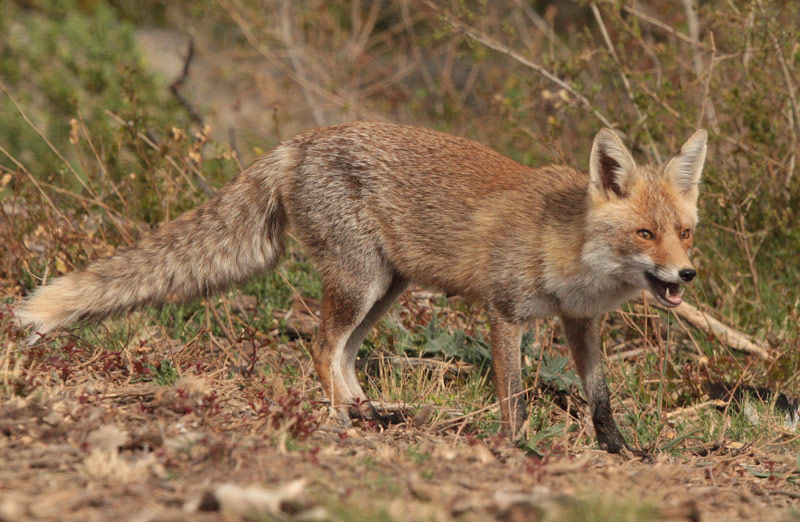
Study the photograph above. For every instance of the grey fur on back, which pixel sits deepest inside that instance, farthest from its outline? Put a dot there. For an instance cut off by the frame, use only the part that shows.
(368, 200)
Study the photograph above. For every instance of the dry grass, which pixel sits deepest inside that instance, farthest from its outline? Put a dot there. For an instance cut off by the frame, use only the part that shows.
(92, 442)
(213, 407)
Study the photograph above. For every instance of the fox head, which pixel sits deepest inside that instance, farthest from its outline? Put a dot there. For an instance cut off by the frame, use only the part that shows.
(641, 219)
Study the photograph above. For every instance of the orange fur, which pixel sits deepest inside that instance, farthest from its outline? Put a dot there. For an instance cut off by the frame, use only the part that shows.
(379, 205)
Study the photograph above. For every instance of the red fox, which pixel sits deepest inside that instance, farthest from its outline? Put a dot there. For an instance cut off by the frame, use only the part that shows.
(378, 205)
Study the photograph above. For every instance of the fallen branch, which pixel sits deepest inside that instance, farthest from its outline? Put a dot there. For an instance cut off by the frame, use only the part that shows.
(636, 352)
(434, 365)
(702, 321)
(693, 409)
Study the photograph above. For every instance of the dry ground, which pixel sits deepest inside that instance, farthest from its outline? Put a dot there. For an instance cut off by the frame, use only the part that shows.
(256, 441)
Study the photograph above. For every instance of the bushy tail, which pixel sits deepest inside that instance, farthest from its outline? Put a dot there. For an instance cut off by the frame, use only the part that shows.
(233, 235)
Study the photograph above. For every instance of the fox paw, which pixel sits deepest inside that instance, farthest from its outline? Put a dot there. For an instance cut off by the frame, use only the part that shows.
(617, 446)
(631, 453)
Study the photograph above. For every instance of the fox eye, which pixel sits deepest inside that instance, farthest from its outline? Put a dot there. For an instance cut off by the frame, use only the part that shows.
(645, 234)
(685, 233)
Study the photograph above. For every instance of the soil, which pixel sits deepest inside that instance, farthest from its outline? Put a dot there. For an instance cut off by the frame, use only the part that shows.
(105, 447)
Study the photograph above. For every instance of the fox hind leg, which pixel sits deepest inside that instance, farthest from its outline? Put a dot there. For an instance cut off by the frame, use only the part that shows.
(378, 310)
(347, 306)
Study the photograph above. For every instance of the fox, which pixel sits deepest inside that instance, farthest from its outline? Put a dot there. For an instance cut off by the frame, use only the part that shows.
(378, 206)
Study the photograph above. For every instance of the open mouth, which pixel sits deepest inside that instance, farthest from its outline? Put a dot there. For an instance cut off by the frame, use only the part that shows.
(668, 293)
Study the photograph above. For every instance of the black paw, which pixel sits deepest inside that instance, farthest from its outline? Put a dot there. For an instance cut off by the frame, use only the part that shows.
(611, 442)
(643, 456)
(614, 443)
(627, 452)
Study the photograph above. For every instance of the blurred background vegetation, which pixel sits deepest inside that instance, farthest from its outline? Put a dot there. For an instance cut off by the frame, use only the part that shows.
(116, 115)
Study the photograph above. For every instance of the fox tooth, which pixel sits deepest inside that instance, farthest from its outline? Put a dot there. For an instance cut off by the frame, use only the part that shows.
(667, 292)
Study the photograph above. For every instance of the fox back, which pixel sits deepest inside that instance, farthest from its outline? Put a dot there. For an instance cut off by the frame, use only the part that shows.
(452, 214)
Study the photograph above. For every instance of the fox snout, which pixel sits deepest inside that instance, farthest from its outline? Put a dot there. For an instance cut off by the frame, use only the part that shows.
(666, 287)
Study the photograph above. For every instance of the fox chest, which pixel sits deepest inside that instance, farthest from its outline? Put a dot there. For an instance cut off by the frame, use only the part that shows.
(590, 300)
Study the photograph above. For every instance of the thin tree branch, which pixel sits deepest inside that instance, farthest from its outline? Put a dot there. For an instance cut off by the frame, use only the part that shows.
(493, 44)
(707, 106)
(176, 85)
(700, 320)
(625, 82)
(661, 25)
(690, 8)
(297, 64)
(540, 23)
(787, 77)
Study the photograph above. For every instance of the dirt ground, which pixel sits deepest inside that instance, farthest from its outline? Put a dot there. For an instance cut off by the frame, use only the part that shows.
(208, 444)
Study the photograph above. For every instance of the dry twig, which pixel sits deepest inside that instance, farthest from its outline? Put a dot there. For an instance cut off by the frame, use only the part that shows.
(176, 85)
(731, 337)
(626, 83)
(491, 43)
(792, 89)
(661, 25)
(690, 8)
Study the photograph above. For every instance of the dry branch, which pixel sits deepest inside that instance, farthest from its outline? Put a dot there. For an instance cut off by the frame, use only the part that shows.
(625, 82)
(693, 409)
(661, 25)
(434, 365)
(795, 107)
(702, 321)
(175, 87)
(540, 23)
(297, 63)
(491, 43)
(693, 23)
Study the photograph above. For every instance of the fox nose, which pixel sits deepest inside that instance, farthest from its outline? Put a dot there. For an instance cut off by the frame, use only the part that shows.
(687, 274)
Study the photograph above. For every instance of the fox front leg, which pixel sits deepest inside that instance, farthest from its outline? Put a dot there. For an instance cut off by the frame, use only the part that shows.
(583, 337)
(506, 338)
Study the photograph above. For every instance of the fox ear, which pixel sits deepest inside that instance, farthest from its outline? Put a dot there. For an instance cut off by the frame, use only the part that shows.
(684, 169)
(611, 166)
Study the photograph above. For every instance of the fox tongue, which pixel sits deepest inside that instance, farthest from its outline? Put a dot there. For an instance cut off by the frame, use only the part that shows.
(673, 296)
